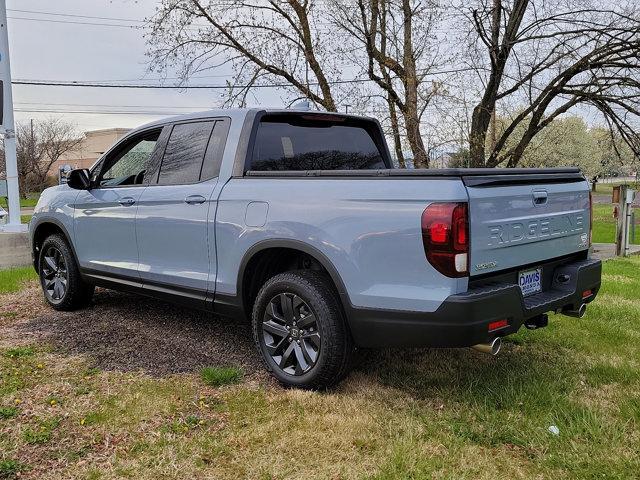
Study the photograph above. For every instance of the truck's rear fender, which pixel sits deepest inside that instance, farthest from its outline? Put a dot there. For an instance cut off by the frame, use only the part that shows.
(365, 232)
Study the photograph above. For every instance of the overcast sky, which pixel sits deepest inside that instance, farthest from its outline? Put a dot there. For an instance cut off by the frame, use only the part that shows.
(63, 44)
(102, 41)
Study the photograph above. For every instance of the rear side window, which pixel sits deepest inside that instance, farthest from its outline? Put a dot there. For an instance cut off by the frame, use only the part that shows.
(315, 145)
(215, 150)
(184, 155)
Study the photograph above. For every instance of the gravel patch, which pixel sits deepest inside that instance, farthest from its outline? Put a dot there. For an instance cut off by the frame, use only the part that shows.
(129, 332)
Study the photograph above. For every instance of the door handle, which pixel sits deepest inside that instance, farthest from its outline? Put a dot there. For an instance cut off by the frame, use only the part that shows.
(127, 201)
(540, 197)
(195, 199)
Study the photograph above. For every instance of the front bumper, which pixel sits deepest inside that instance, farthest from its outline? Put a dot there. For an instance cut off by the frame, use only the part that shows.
(463, 319)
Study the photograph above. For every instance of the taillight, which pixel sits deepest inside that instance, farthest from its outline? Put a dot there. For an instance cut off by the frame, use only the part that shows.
(445, 236)
(590, 216)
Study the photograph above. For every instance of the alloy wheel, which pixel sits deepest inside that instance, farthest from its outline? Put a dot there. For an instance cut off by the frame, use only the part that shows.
(290, 333)
(55, 276)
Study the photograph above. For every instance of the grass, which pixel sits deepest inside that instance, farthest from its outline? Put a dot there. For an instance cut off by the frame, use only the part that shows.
(9, 469)
(11, 280)
(604, 225)
(8, 412)
(413, 414)
(29, 202)
(607, 188)
(218, 376)
(18, 352)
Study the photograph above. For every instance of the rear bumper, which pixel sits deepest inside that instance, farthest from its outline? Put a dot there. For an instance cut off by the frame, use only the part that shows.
(463, 319)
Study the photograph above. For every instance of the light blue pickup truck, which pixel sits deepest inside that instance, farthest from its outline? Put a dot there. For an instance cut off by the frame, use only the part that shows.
(298, 222)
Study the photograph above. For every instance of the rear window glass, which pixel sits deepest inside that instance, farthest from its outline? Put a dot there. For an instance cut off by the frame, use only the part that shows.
(215, 149)
(314, 146)
(183, 157)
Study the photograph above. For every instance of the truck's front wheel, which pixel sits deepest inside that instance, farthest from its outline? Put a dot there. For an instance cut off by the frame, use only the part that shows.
(60, 278)
(299, 329)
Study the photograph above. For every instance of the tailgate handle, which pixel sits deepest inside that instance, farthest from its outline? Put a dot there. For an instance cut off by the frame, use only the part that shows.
(540, 197)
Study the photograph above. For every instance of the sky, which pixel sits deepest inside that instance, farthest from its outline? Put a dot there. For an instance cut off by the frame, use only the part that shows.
(63, 40)
(62, 44)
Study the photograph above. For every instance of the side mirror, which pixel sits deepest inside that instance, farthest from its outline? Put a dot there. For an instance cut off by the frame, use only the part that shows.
(79, 179)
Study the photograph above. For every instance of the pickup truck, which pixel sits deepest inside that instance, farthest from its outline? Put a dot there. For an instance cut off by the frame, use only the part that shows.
(298, 222)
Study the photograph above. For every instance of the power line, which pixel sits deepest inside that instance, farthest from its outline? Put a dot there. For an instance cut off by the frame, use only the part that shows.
(46, 109)
(187, 87)
(92, 112)
(192, 26)
(96, 24)
(115, 80)
(50, 83)
(105, 105)
(57, 14)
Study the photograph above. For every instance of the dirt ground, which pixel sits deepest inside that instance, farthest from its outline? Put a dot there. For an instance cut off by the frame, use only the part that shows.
(129, 332)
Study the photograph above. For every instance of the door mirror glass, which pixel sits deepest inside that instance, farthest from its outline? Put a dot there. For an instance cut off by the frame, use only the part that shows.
(79, 179)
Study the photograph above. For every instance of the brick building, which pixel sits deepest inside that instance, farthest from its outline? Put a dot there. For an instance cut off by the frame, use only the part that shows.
(94, 144)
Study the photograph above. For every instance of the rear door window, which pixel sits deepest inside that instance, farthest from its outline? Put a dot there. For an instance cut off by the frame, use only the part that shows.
(184, 155)
(298, 144)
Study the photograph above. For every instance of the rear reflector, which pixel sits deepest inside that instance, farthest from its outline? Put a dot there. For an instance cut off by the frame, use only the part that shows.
(445, 237)
(498, 324)
(586, 294)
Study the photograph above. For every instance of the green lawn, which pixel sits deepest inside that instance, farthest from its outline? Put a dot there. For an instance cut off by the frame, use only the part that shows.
(608, 187)
(29, 202)
(415, 414)
(11, 280)
(604, 225)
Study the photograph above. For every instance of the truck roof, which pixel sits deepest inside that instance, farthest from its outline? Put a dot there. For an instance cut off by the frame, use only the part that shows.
(240, 113)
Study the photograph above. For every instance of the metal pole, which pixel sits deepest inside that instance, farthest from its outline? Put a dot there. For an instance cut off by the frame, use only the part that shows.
(621, 220)
(8, 128)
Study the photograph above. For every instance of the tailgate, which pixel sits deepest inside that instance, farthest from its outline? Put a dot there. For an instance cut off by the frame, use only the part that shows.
(518, 220)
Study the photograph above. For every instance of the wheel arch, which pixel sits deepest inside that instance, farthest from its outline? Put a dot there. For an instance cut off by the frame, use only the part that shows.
(257, 253)
(43, 229)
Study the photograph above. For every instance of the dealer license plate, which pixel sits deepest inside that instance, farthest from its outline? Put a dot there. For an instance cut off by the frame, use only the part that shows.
(530, 281)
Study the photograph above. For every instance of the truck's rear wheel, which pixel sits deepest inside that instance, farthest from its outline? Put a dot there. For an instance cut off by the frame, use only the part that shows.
(299, 329)
(60, 278)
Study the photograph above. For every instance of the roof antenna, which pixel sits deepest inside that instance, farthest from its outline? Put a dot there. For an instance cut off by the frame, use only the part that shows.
(302, 105)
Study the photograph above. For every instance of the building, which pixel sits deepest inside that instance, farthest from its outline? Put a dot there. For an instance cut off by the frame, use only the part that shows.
(94, 144)
(442, 160)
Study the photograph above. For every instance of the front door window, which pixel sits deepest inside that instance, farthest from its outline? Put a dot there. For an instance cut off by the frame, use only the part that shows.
(128, 166)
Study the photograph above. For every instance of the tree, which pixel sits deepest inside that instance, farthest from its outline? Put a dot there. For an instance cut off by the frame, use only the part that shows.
(38, 146)
(552, 57)
(399, 51)
(568, 141)
(303, 46)
(260, 40)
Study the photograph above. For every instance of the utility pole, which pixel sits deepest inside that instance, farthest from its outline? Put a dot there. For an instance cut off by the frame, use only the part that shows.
(8, 129)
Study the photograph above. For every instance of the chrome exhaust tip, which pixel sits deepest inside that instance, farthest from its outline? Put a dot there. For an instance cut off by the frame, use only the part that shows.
(578, 313)
(492, 348)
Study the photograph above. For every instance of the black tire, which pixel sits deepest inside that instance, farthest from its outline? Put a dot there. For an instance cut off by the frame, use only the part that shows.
(60, 278)
(312, 294)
